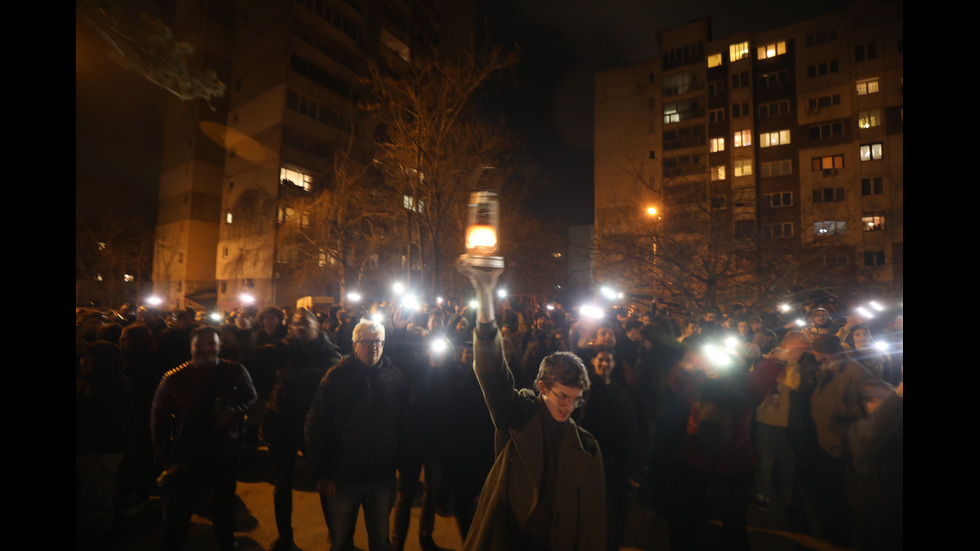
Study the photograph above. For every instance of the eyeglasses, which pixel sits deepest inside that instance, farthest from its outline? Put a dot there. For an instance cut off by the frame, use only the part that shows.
(372, 343)
(565, 399)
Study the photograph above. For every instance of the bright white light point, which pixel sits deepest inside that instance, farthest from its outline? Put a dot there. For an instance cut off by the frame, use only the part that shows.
(354, 296)
(501, 293)
(865, 312)
(247, 298)
(784, 307)
(216, 316)
(378, 317)
(800, 322)
(154, 301)
(590, 311)
(398, 288)
(874, 304)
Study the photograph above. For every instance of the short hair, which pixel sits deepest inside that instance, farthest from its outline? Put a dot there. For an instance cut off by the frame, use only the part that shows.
(565, 369)
(273, 311)
(205, 330)
(632, 324)
(368, 326)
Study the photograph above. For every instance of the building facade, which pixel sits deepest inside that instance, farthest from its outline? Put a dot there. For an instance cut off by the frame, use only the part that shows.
(782, 147)
(235, 174)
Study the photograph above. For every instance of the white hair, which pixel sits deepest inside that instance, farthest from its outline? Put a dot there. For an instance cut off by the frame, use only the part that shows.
(368, 326)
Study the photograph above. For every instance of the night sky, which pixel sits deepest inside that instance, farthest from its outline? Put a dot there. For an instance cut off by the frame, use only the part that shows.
(564, 43)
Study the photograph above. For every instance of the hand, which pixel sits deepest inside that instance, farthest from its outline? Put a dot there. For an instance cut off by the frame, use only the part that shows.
(483, 279)
(326, 486)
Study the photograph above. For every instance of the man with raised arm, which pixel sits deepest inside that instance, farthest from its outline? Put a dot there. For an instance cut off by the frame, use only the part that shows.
(546, 490)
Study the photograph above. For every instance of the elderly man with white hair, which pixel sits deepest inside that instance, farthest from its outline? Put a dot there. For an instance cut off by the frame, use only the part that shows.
(354, 435)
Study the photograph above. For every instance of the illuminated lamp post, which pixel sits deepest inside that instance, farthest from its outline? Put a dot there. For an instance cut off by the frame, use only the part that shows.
(481, 231)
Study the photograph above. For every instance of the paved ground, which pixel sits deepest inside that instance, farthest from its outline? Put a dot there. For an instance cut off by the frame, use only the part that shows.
(256, 529)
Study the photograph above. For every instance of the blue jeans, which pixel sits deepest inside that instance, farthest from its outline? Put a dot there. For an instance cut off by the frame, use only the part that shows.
(340, 512)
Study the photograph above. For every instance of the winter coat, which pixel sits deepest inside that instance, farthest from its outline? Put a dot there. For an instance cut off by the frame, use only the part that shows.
(511, 491)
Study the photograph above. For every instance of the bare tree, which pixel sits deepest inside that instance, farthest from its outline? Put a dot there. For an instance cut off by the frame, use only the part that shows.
(431, 145)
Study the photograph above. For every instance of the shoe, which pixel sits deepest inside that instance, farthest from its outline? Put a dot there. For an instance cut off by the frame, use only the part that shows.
(283, 544)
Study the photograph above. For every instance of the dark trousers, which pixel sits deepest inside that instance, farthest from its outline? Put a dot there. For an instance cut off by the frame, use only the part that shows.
(825, 488)
(214, 474)
(408, 485)
(283, 457)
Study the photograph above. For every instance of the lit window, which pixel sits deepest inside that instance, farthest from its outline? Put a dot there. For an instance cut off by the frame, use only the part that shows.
(718, 173)
(717, 144)
(769, 139)
(772, 50)
(714, 60)
(873, 221)
(228, 218)
(738, 51)
(869, 118)
(412, 204)
(776, 168)
(295, 178)
(867, 86)
(871, 152)
(827, 163)
(743, 138)
(743, 167)
(829, 227)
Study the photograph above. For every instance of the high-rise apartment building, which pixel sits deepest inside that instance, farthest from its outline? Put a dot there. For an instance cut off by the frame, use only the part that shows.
(783, 145)
(231, 172)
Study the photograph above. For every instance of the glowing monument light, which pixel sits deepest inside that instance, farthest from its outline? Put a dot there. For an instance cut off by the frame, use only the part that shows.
(481, 231)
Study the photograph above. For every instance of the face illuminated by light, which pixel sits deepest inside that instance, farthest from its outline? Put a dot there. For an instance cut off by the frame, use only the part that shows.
(561, 400)
(205, 348)
(862, 339)
(605, 337)
(303, 328)
(369, 348)
(603, 363)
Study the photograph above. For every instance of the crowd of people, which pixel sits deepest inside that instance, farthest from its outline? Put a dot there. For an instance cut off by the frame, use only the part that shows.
(698, 417)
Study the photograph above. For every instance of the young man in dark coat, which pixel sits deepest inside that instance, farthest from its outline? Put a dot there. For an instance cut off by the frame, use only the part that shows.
(546, 490)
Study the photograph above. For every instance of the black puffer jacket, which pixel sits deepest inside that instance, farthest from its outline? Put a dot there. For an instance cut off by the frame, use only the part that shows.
(300, 366)
(355, 429)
